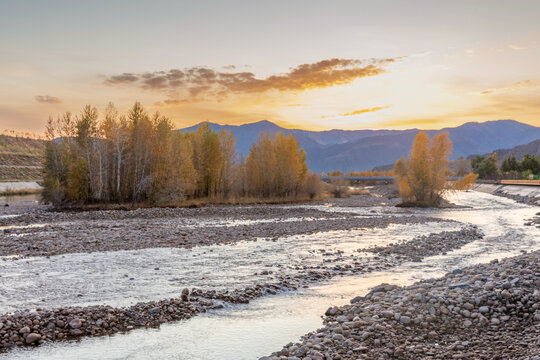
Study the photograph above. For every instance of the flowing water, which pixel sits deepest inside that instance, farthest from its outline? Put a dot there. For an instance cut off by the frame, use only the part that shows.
(264, 325)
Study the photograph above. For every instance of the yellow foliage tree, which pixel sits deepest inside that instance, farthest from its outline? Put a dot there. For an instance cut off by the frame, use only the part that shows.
(422, 178)
(140, 158)
(276, 166)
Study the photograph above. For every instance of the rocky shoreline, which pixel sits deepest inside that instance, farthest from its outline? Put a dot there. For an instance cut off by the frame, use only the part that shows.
(487, 311)
(39, 326)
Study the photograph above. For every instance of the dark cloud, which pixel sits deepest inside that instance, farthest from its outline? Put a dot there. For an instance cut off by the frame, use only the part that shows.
(200, 82)
(121, 79)
(48, 99)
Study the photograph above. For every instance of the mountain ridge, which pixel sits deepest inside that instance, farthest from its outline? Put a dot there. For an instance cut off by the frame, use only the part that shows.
(359, 150)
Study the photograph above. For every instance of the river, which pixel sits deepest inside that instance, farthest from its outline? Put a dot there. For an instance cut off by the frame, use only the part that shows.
(266, 324)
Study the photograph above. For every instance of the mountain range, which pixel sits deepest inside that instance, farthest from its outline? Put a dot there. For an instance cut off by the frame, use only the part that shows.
(360, 150)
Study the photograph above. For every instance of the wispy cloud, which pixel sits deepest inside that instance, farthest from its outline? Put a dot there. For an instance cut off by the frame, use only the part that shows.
(200, 82)
(421, 54)
(48, 99)
(171, 103)
(359, 112)
(516, 47)
(514, 86)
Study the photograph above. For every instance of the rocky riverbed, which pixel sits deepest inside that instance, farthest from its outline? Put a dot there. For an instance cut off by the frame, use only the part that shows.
(43, 232)
(487, 311)
(40, 325)
(232, 259)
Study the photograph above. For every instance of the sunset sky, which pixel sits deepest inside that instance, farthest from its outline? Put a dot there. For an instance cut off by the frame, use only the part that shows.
(303, 64)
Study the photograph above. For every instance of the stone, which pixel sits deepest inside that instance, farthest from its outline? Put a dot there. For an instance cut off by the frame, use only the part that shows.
(76, 323)
(154, 310)
(32, 338)
(404, 320)
(483, 309)
(185, 294)
(331, 311)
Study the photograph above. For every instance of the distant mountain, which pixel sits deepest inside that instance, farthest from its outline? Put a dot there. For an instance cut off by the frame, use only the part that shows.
(359, 150)
(519, 152)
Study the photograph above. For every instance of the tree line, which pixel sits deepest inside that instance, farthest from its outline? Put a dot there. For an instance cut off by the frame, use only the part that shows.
(138, 157)
(488, 167)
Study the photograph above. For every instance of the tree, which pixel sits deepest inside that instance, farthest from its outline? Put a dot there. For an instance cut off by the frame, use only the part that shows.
(419, 173)
(401, 174)
(440, 151)
(313, 185)
(465, 183)
(140, 147)
(489, 165)
(510, 164)
(227, 144)
(116, 132)
(477, 165)
(207, 160)
(530, 163)
(422, 178)
(140, 158)
(276, 166)
(462, 166)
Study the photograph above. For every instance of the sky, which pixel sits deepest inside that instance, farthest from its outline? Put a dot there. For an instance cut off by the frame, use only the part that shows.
(301, 64)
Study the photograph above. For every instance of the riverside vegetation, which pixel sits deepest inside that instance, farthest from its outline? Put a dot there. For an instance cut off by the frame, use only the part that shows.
(138, 158)
(423, 178)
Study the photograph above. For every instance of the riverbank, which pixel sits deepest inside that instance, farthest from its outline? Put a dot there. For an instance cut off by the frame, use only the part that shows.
(487, 311)
(521, 193)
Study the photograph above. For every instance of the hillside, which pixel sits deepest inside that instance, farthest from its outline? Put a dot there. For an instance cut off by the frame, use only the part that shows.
(20, 158)
(359, 150)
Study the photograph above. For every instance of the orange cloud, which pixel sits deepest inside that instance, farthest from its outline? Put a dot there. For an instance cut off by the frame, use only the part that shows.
(361, 111)
(368, 110)
(200, 82)
(170, 103)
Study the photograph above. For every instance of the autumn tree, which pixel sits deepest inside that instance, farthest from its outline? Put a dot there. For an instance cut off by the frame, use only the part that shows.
(419, 172)
(276, 166)
(422, 178)
(227, 145)
(207, 160)
(139, 157)
(440, 151)
(314, 185)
